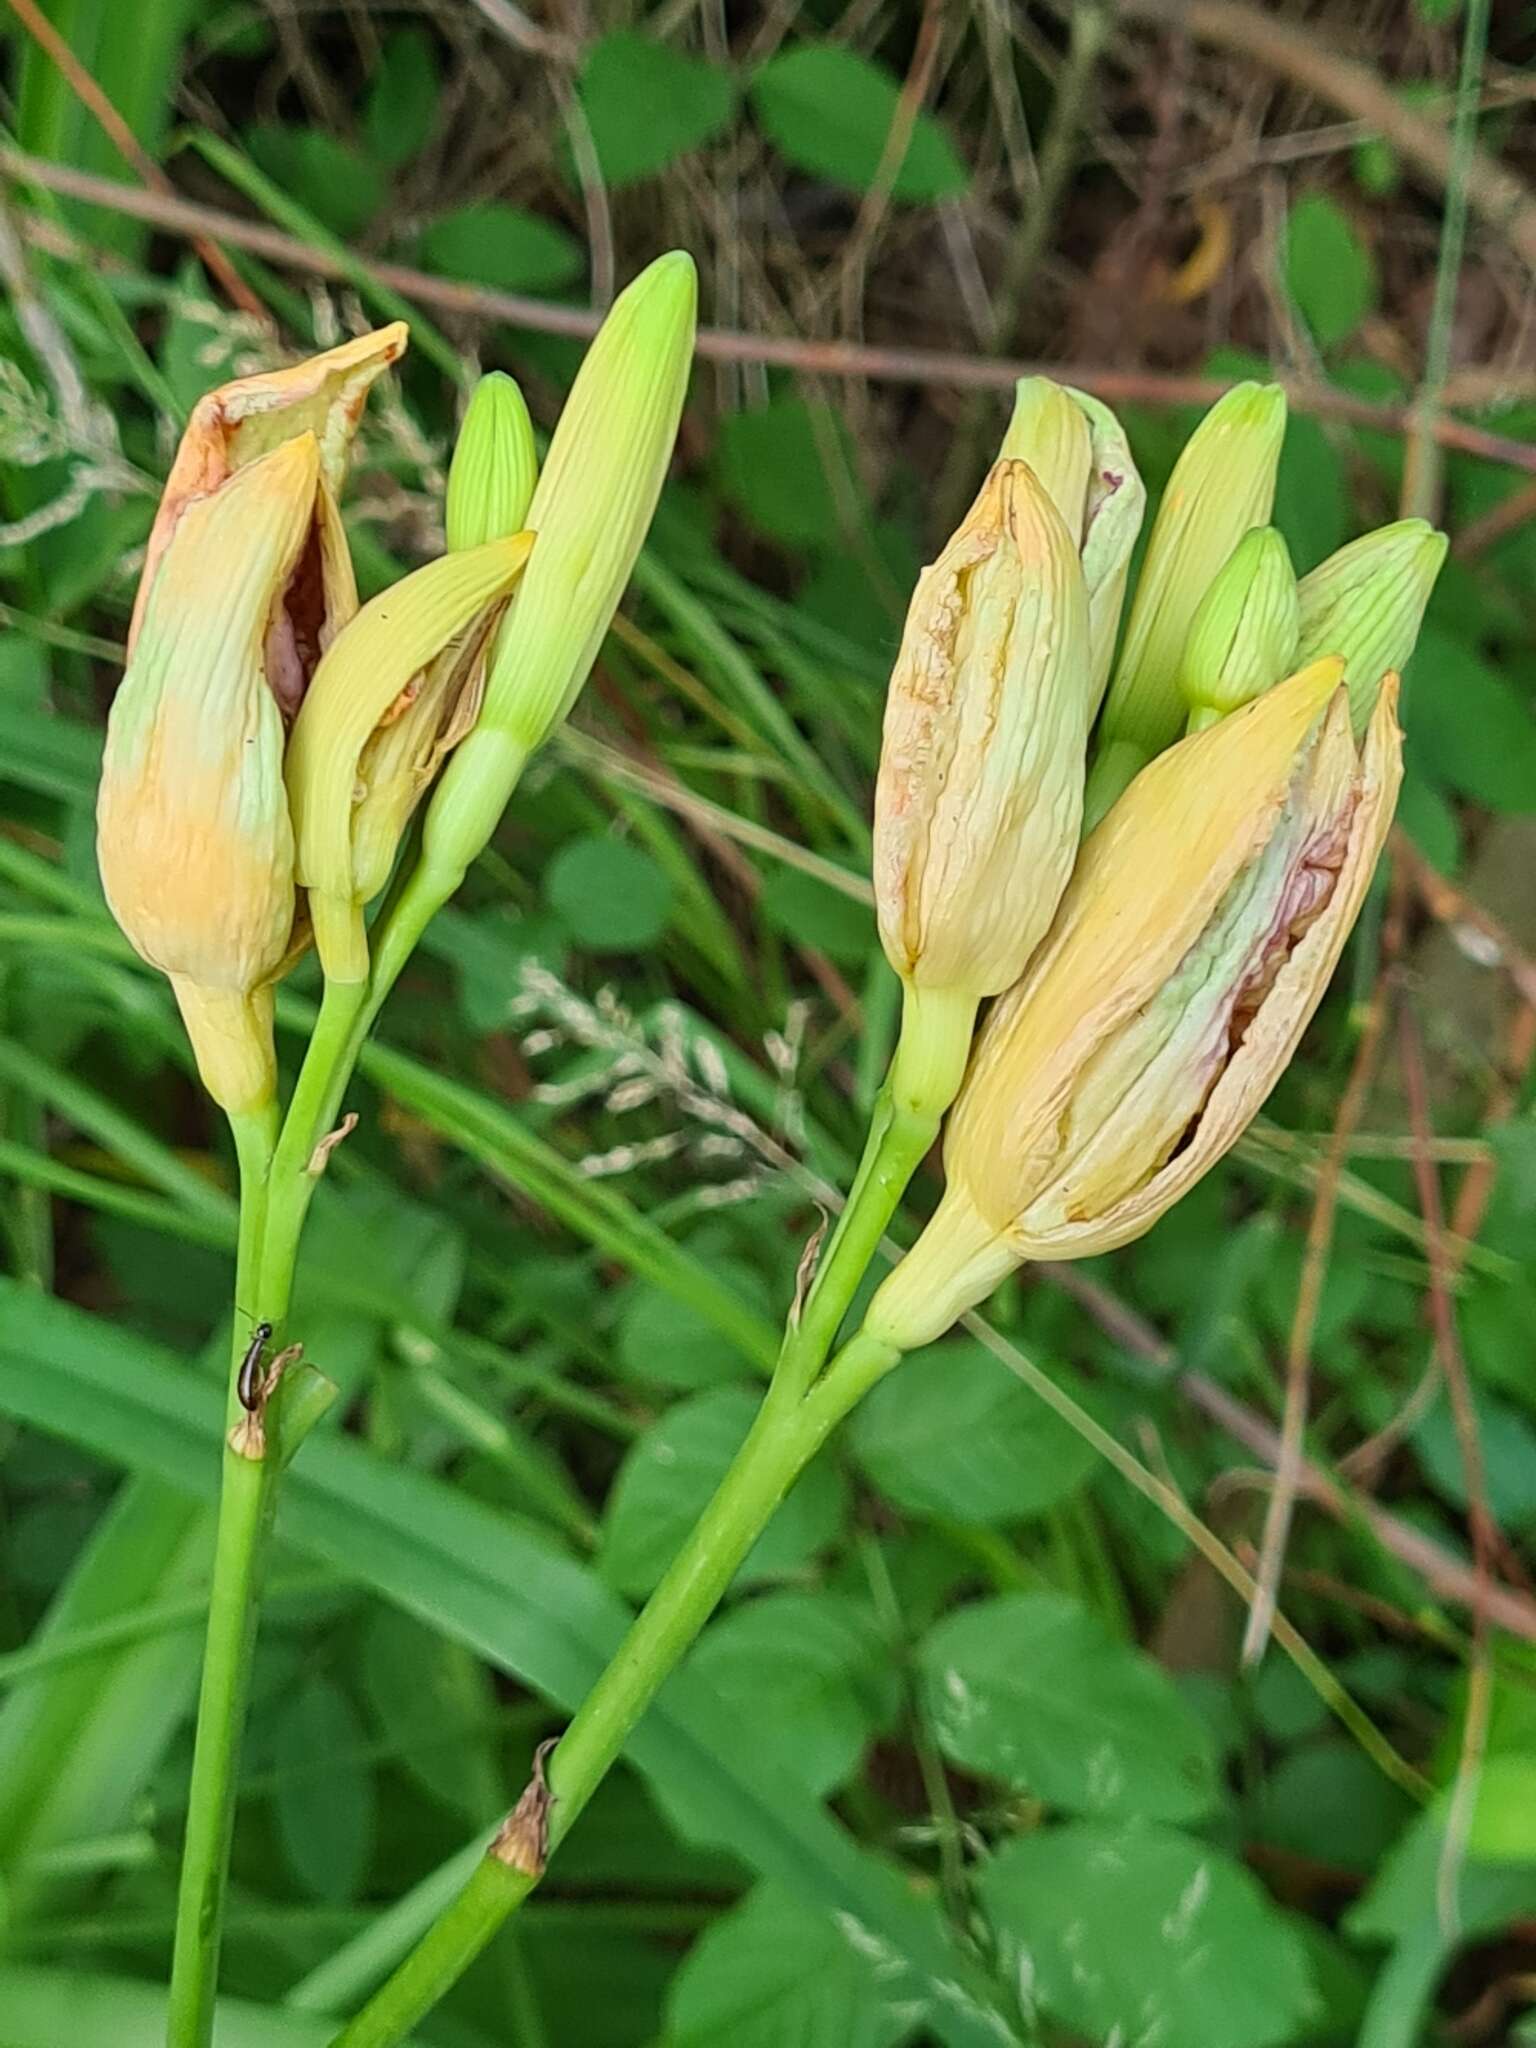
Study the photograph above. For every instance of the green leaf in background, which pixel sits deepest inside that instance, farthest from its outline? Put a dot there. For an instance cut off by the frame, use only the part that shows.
(1329, 271)
(42, 2008)
(1428, 819)
(612, 896)
(771, 1975)
(828, 111)
(324, 1800)
(501, 246)
(509, 1596)
(665, 1342)
(799, 907)
(953, 1436)
(785, 467)
(1328, 1803)
(401, 109)
(1143, 1934)
(669, 1474)
(1467, 727)
(326, 175)
(648, 104)
(488, 951)
(431, 1700)
(1033, 1690)
(820, 1661)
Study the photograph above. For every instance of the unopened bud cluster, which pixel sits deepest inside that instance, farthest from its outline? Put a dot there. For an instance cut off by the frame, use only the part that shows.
(270, 741)
(1235, 786)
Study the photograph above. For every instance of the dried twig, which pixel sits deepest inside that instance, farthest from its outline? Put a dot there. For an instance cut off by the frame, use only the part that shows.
(827, 358)
(128, 146)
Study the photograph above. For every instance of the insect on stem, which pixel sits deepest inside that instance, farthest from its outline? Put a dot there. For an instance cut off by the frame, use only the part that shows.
(248, 1380)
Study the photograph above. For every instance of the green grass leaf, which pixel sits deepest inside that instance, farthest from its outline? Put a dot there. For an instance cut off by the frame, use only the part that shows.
(501, 246)
(1329, 270)
(828, 111)
(509, 1595)
(771, 1975)
(324, 1801)
(1146, 1934)
(1033, 1690)
(649, 104)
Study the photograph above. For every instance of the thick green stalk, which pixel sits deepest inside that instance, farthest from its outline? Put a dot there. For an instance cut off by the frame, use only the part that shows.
(924, 1078)
(780, 1444)
(277, 1182)
(243, 1509)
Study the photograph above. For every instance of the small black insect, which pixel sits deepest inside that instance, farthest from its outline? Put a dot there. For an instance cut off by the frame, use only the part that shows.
(248, 1380)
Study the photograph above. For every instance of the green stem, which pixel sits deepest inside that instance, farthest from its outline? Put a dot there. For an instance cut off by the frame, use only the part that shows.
(924, 1079)
(276, 1186)
(244, 1506)
(780, 1444)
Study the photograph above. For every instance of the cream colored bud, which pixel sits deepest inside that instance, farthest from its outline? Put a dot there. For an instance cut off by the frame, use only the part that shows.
(981, 769)
(1244, 634)
(495, 466)
(1199, 933)
(1222, 484)
(1366, 604)
(1078, 450)
(370, 678)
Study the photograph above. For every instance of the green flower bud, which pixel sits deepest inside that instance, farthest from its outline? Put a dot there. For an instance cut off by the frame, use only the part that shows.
(590, 512)
(495, 466)
(1245, 632)
(1366, 604)
(1222, 484)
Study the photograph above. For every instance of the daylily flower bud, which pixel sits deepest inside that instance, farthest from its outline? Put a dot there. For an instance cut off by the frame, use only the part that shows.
(246, 581)
(427, 631)
(1095, 486)
(1366, 604)
(1222, 483)
(981, 769)
(1244, 635)
(1199, 932)
(494, 468)
(607, 460)
(490, 482)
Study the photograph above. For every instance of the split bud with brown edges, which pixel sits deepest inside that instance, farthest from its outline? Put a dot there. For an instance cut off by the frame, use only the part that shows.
(1198, 935)
(247, 582)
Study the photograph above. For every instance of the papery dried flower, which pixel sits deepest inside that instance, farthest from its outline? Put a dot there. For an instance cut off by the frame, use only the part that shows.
(1196, 939)
(246, 583)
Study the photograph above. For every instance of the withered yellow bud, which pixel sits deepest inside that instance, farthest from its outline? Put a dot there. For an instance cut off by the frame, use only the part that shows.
(246, 582)
(1199, 932)
(1245, 631)
(193, 838)
(371, 678)
(1078, 450)
(981, 765)
(495, 466)
(1222, 484)
(241, 421)
(1366, 605)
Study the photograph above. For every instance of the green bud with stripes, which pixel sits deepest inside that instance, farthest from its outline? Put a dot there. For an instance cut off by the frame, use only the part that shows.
(1245, 632)
(1366, 604)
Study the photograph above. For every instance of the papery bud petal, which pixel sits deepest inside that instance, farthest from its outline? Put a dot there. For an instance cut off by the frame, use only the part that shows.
(193, 838)
(495, 466)
(1049, 431)
(981, 768)
(360, 685)
(241, 421)
(1222, 484)
(1244, 634)
(1366, 604)
(1196, 940)
(591, 510)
